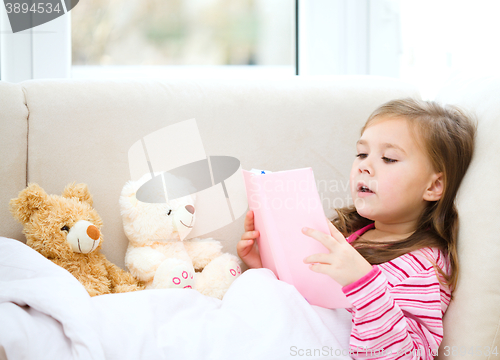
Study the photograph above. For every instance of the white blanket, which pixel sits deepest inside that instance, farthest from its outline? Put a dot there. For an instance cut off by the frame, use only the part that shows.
(45, 313)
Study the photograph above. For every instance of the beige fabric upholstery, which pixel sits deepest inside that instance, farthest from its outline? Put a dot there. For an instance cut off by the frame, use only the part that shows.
(13, 148)
(81, 131)
(473, 318)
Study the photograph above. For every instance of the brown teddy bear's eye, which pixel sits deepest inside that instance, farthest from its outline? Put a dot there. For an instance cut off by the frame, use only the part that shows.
(65, 228)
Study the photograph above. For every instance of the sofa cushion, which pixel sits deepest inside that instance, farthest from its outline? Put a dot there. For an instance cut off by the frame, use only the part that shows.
(13, 150)
(473, 318)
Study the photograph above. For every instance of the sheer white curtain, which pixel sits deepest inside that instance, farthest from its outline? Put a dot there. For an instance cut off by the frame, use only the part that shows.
(424, 42)
(447, 38)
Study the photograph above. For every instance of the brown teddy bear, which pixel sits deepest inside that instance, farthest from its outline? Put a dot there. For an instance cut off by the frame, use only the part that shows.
(67, 230)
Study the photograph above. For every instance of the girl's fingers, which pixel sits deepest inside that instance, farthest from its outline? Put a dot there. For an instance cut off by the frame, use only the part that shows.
(244, 247)
(243, 243)
(250, 235)
(335, 233)
(319, 268)
(325, 239)
(317, 258)
(249, 226)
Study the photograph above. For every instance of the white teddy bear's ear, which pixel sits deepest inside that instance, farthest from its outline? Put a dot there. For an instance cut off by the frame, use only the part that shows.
(128, 197)
(128, 201)
(129, 189)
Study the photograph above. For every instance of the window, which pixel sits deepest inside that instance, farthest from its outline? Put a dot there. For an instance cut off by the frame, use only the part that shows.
(422, 42)
(183, 38)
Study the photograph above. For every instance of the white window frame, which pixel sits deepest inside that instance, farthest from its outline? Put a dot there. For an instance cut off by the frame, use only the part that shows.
(45, 52)
(40, 52)
(337, 37)
(328, 43)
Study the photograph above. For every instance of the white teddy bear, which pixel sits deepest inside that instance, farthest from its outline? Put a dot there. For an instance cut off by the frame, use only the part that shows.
(158, 254)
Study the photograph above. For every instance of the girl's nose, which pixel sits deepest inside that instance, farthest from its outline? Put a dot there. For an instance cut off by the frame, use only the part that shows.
(365, 167)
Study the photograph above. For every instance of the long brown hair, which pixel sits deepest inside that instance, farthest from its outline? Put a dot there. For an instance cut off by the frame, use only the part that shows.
(447, 134)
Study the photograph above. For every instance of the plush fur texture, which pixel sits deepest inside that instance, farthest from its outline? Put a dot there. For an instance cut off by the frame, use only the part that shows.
(67, 230)
(158, 253)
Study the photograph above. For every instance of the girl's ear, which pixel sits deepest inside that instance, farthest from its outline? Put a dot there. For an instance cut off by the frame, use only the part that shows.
(435, 189)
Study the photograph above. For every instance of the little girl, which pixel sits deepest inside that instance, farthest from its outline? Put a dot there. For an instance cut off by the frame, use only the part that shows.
(399, 262)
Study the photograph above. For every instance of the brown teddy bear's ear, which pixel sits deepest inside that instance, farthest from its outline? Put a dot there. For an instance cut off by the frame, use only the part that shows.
(79, 191)
(30, 200)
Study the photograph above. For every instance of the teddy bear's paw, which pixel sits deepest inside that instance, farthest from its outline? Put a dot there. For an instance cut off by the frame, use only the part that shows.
(174, 274)
(218, 275)
(229, 267)
(122, 288)
(97, 289)
(233, 270)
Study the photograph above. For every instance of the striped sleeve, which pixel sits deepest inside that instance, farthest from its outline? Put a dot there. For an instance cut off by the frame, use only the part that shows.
(398, 309)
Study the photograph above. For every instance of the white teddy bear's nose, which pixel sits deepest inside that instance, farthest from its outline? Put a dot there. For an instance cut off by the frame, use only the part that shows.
(84, 237)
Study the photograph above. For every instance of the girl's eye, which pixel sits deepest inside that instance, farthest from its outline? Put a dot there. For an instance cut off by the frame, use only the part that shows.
(361, 156)
(65, 228)
(388, 160)
(169, 212)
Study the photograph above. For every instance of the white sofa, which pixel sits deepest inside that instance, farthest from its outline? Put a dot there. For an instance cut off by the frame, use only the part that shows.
(54, 132)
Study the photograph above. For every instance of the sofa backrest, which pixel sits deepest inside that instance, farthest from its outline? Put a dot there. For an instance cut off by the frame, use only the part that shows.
(81, 131)
(472, 321)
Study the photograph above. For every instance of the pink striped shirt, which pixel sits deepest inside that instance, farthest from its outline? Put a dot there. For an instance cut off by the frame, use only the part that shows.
(398, 307)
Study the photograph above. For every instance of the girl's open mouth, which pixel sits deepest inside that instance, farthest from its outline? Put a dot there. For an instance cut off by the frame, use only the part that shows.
(363, 189)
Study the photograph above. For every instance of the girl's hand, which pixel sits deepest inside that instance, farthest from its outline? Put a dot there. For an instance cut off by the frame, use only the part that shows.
(247, 246)
(344, 264)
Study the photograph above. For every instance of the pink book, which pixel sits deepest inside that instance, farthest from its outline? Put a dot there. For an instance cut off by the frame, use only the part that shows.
(283, 203)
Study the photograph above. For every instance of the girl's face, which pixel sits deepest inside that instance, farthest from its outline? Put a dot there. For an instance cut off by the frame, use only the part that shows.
(391, 178)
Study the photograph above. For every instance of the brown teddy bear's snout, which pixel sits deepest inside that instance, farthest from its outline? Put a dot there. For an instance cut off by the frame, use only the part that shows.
(84, 237)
